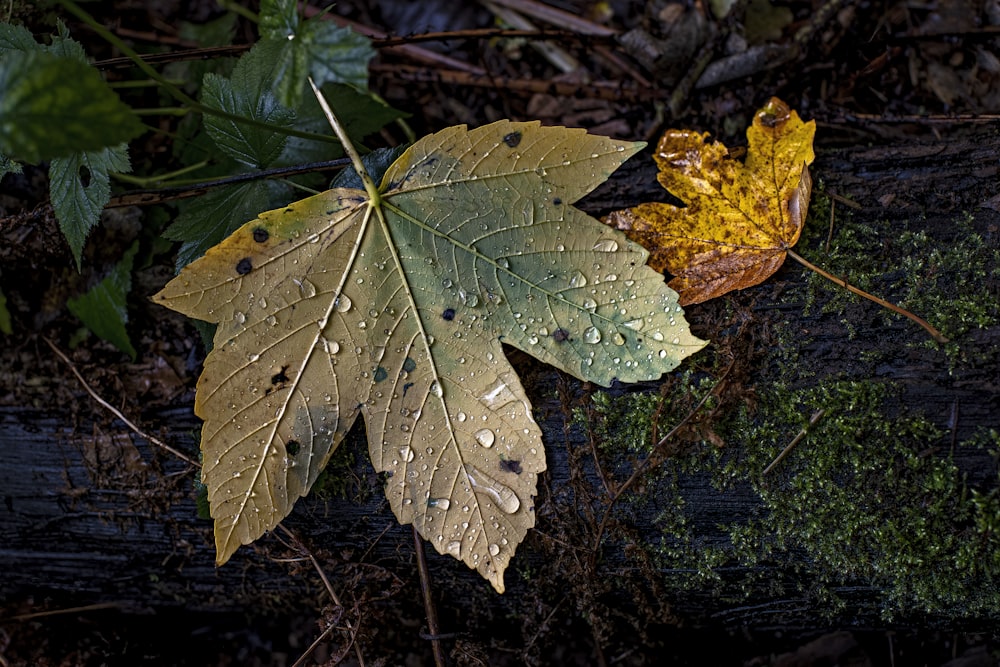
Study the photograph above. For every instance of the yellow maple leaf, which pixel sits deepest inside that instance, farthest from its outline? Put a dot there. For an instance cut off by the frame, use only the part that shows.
(740, 219)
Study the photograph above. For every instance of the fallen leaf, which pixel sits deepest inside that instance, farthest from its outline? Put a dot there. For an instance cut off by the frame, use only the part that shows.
(739, 219)
(395, 306)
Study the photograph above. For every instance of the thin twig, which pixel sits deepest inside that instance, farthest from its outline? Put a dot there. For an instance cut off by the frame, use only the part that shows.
(116, 412)
(816, 416)
(67, 610)
(641, 468)
(935, 334)
(333, 596)
(430, 610)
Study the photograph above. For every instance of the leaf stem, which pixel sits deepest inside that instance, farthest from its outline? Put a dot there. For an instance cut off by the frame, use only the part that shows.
(433, 628)
(935, 334)
(345, 141)
(173, 90)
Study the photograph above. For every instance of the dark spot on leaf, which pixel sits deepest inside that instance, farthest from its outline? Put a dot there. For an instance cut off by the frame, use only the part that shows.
(292, 446)
(512, 139)
(511, 466)
(84, 175)
(331, 211)
(448, 314)
(406, 387)
(381, 374)
(280, 377)
(261, 235)
(557, 201)
(409, 364)
(289, 209)
(560, 335)
(244, 266)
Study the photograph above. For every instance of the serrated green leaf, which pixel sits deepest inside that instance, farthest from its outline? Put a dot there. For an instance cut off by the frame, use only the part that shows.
(8, 166)
(316, 48)
(279, 19)
(208, 219)
(80, 186)
(247, 93)
(103, 307)
(16, 38)
(376, 163)
(361, 114)
(396, 306)
(52, 106)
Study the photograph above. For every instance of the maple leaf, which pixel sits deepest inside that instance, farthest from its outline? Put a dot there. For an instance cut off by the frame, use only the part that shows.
(740, 219)
(393, 303)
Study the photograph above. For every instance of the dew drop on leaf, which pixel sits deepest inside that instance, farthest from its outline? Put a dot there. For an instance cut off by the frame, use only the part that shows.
(440, 503)
(577, 280)
(343, 303)
(618, 338)
(501, 494)
(606, 245)
(485, 437)
(494, 549)
(306, 288)
(592, 335)
(636, 324)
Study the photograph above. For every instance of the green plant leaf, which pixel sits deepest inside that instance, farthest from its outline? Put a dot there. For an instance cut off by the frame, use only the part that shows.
(247, 93)
(315, 47)
(208, 219)
(8, 166)
(361, 114)
(80, 186)
(103, 307)
(397, 308)
(54, 106)
(16, 38)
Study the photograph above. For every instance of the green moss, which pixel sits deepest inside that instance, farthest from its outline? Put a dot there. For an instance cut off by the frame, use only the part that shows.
(863, 500)
(944, 281)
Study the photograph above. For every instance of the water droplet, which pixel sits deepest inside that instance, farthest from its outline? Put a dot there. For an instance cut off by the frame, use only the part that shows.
(560, 247)
(455, 549)
(343, 303)
(578, 280)
(618, 338)
(470, 299)
(446, 283)
(501, 494)
(485, 437)
(239, 317)
(436, 389)
(332, 346)
(271, 320)
(440, 503)
(676, 341)
(262, 302)
(606, 245)
(663, 354)
(657, 336)
(590, 304)
(532, 340)
(494, 549)
(611, 277)
(306, 288)
(253, 357)
(429, 261)
(592, 335)
(406, 453)
(461, 416)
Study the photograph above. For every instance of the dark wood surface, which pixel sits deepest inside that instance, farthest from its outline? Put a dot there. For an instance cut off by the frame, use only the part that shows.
(94, 514)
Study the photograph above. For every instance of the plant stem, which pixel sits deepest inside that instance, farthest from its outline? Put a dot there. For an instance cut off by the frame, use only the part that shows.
(935, 334)
(173, 90)
(370, 187)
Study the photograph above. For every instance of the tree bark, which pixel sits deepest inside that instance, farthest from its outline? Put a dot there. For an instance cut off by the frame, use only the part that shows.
(95, 514)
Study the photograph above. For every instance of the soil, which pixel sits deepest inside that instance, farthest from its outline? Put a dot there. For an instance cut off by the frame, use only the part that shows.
(887, 78)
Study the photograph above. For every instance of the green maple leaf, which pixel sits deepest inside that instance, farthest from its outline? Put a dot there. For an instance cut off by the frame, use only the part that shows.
(394, 303)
